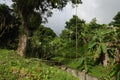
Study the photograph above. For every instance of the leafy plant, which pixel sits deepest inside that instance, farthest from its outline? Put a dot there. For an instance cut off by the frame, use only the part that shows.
(115, 72)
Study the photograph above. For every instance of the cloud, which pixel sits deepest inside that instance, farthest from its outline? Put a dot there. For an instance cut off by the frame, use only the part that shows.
(103, 10)
(8, 2)
(107, 10)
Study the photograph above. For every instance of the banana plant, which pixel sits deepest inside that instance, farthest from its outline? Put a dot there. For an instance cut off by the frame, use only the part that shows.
(98, 45)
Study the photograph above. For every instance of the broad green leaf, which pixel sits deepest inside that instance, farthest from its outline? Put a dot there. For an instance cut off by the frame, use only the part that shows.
(118, 76)
(94, 38)
(98, 51)
(108, 31)
(104, 47)
(91, 45)
(81, 61)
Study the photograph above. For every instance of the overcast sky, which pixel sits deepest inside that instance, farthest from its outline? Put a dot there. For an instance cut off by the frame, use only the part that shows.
(8, 2)
(102, 10)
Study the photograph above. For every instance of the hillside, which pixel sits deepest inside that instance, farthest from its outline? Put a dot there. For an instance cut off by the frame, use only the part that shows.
(14, 67)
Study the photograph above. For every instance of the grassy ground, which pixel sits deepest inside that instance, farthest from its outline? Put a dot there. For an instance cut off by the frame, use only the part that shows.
(13, 67)
(97, 71)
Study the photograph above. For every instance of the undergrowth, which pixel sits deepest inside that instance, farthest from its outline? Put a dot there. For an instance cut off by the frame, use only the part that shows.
(13, 67)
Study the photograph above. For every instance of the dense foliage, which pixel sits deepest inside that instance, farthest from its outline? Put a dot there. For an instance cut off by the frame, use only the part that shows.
(32, 14)
(39, 42)
(98, 45)
(9, 28)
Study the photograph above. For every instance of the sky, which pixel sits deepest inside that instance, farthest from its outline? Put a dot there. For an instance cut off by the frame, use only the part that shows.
(8, 2)
(102, 10)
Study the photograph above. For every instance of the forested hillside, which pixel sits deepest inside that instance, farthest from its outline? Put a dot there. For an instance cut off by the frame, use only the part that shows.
(27, 47)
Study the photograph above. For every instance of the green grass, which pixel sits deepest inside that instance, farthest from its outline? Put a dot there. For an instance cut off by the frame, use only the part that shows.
(13, 67)
(97, 71)
(67, 61)
(100, 71)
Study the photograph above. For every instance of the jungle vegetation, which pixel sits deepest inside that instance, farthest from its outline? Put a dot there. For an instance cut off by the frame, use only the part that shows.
(22, 30)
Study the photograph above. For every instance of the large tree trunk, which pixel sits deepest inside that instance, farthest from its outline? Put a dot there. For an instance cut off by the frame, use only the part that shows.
(105, 60)
(23, 38)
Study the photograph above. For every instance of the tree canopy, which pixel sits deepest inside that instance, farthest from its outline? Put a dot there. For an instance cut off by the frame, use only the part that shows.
(116, 20)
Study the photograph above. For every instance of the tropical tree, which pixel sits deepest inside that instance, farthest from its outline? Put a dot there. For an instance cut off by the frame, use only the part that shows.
(31, 13)
(93, 24)
(116, 26)
(56, 44)
(99, 44)
(39, 42)
(70, 34)
(72, 24)
(116, 20)
(115, 72)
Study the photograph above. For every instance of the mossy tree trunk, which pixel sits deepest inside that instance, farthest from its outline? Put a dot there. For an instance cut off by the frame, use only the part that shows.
(23, 38)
